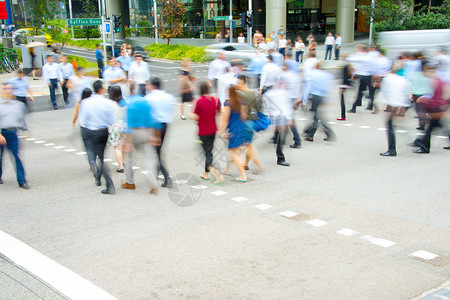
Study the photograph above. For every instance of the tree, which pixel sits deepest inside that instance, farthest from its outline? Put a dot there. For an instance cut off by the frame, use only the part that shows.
(383, 10)
(90, 11)
(59, 31)
(40, 11)
(170, 21)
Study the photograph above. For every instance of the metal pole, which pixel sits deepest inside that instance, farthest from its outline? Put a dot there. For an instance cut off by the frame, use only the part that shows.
(100, 12)
(70, 11)
(249, 30)
(155, 8)
(112, 35)
(371, 23)
(231, 21)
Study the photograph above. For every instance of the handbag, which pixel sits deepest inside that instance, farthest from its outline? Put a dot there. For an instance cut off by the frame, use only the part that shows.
(261, 123)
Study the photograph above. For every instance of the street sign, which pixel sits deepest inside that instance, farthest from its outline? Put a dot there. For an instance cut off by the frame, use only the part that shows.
(85, 22)
(221, 18)
(108, 27)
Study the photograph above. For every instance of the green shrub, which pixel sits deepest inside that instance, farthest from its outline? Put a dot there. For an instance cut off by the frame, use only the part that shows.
(177, 52)
(91, 44)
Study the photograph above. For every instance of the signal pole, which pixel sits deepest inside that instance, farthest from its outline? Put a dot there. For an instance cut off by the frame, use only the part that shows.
(249, 29)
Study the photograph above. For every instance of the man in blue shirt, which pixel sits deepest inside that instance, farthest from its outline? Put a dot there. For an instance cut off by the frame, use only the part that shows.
(99, 57)
(143, 132)
(97, 113)
(66, 71)
(21, 88)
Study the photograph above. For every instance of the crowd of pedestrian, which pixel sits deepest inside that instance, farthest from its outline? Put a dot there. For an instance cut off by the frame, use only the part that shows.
(136, 113)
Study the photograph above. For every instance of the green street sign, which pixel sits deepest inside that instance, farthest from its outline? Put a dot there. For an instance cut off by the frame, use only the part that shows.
(86, 22)
(221, 18)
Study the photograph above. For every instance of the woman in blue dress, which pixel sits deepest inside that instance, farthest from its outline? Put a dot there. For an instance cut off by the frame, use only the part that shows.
(234, 129)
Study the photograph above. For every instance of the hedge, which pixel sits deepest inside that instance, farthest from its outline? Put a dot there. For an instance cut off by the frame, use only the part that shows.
(177, 52)
(91, 44)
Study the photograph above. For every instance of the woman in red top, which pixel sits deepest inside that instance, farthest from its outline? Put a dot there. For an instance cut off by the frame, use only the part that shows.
(205, 111)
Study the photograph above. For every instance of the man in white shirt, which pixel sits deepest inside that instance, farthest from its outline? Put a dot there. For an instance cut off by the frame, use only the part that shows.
(329, 42)
(269, 74)
(66, 71)
(363, 65)
(139, 75)
(395, 89)
(337, 46)
(309, 64)
(162, 104)
(217, 68)
(114, 75)
(282, 45)
(224, 83)
(51, 76)
(241, 38)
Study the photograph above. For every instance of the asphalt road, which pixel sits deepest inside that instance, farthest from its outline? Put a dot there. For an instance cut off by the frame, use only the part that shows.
(356, 218)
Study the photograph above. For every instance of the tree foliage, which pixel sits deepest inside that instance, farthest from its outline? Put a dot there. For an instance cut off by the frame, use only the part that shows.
(170, 19)
(40, 11)
(59, 31)
(383, 10)
(89, 11)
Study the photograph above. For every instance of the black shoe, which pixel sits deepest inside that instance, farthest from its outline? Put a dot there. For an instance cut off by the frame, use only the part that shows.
(330, 139)
(369, 108)
(295, 145)
(167, 184)
(389, 153)
(119, 171)
(353, 111)
(25, 186)
(1, 181)
(109, 192)
(421, 128)
(413, 145)
(421, 150)
(446, 148)
(283, 163)
(98, 182)
(55, 108)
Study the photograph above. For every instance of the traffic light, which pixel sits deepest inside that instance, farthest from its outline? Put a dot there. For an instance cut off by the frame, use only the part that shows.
(117, 23)
(249, 20)
(244, 19)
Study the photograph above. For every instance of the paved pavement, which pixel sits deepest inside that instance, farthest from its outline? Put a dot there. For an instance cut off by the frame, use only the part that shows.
(341, 222)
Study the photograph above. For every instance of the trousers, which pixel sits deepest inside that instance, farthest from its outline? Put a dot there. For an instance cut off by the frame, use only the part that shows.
(208, 145)
(99, 139)
(12, 144)
(141, 137)
(53, 85)
(364, 82)
(162, 167)
(89, 146)
(315, 103)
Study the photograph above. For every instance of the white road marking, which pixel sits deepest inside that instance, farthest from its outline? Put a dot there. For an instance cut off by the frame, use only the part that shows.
(419, 133)
(22, 136)
(199, 187)
(348, 125)
(239, 199)
(317, 223)
(347, 232)
(382, 129)
(288, 213)
(180, 181)
(331, 122)
(219, 193)
(115, 164)
(70, 150)
(81, 153)
(59, 147)
(146, 173)
(302, 119)
(425, 255)
(364, 127)
(39, 142)
(49, 144)
(31, 139)
(377, 241)
(442, 137)
(134, 167)
(107, 159)
(401, 131)
(263, 206)
(160, 176)
(62, 279)
(165, 80)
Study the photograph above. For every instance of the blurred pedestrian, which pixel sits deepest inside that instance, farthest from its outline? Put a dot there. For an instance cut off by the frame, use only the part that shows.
(347, 74)
(204, 113)
(318, 86)
(255, 66)
(51, 76)
(142, 134)
(114, 75)
(97, 113)
(33, 62)
(421, 85)
(185, 85)
(21, 88)
(99, 57)
(269, 75)
(125, 60)
(163, 105)
(77, 83)
(299, 49)
(66, 70)
(115, 137)
(337, 46)
(139, 75)
(241, 38)
(217, 68)
(395, 89)
(87, 141)
(12, 119)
